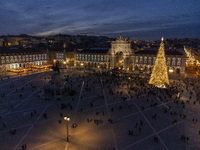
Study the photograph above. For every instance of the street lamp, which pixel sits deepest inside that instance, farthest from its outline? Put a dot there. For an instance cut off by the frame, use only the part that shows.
(67, 120)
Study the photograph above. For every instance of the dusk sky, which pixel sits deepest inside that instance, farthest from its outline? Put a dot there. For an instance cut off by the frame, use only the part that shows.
(137, 19)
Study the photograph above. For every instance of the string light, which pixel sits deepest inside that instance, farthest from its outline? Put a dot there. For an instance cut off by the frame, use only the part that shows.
(159, 76)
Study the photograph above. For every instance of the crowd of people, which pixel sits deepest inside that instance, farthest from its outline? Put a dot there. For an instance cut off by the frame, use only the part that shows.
(130, 91)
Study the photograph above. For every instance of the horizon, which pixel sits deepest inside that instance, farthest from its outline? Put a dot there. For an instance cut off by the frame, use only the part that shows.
(100, 36)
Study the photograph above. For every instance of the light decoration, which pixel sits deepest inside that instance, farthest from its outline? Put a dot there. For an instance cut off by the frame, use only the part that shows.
(190, 58)
(159, 76)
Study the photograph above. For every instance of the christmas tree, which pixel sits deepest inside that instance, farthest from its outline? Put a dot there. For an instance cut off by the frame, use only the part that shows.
(159, 76)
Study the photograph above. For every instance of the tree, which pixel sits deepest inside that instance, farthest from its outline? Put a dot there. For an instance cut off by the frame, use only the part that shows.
(159, 76)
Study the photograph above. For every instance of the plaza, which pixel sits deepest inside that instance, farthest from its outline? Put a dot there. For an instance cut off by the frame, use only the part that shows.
(107, 110)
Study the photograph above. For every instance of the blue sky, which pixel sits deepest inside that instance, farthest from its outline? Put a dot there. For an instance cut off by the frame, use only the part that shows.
(137, 19)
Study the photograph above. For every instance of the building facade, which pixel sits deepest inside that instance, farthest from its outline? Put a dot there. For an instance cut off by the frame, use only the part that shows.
(118, 54)
(121, 56)
(21, 58)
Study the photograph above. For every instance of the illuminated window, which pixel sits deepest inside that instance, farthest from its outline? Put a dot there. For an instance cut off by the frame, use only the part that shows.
(141, 59)
(168, 61)
(173, 61)
(179, 62)
(20, 58)
(136, 59)
(2, 60)
(154, 59)
(16, 59)
(26, 57)
(7, 59)
(105, 57)
(149, 60)
(82, 57)
(23, 57)
(145, 60)
(11, 59)
(92, 57)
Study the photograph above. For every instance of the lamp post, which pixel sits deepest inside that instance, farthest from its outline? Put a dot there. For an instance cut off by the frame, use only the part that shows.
(67, 120)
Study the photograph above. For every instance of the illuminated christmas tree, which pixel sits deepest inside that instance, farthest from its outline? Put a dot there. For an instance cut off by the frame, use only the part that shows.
(159, 76)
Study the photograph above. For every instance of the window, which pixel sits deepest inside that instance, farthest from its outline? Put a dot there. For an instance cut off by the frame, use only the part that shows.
(11, 59)
(145, 60)
(2, 60)
(179, 62)
(154, 59)
(173, 61)
(149, 60)
(20, 58)
(36, 57)
(23, 57)
(15, 58)
(168, 61)
(7, 59)
(141, 59)
(136, 59)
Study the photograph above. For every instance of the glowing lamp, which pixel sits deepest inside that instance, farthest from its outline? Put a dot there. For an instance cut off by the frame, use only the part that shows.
(66, 118)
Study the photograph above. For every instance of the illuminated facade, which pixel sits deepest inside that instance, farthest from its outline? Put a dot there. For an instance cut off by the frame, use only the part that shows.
(19, 59)
(120, 55)
(192, 61)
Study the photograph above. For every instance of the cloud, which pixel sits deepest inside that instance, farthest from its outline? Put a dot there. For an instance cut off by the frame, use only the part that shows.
(132, 18)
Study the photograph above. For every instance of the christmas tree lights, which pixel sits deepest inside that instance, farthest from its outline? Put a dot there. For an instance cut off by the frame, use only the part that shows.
(159, 76)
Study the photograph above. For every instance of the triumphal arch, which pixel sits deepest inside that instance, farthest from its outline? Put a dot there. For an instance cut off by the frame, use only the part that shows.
(121, 54)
